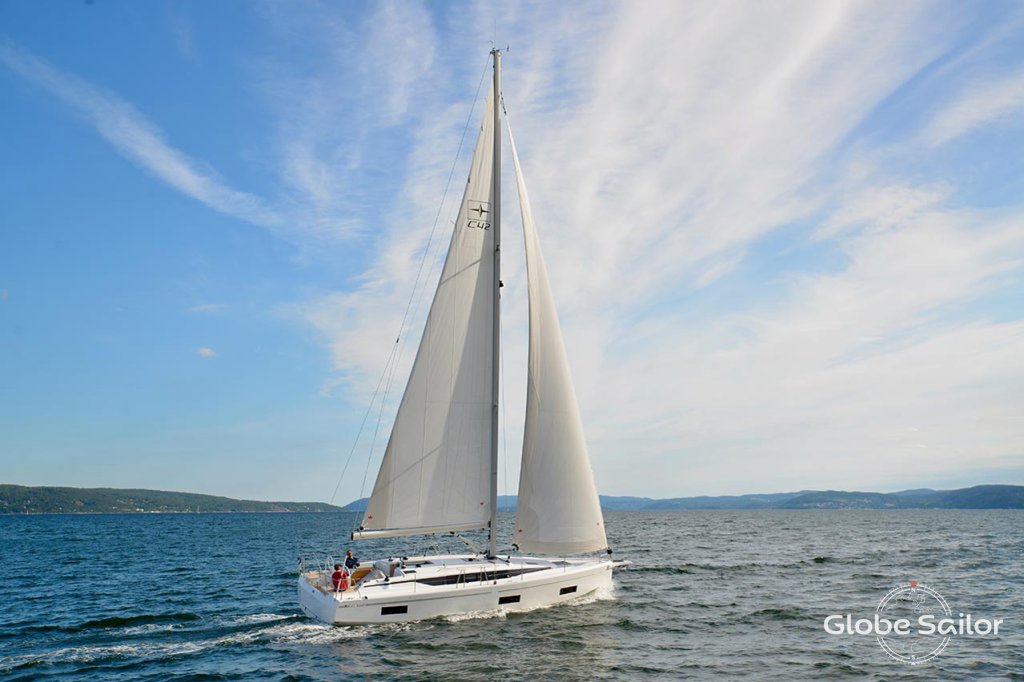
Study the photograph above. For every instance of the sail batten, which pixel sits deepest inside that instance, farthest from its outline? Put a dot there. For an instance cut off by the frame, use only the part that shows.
(558, 509)
(436, 471)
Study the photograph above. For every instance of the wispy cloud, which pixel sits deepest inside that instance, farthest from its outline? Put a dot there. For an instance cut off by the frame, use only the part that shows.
(206, 352)
(680, 145)
(994, 100)
(881, 208)
(400, 47)
(342, 122)
(181, 29)
(138, 139)
(207, 308)
(826, 375)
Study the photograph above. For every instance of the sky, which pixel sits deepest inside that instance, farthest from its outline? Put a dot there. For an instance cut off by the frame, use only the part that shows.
(786, 239)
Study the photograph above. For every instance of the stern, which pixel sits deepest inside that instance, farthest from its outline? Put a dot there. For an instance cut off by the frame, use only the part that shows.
(314, 602)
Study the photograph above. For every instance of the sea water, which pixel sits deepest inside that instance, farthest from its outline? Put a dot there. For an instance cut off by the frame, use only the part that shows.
(717, 594)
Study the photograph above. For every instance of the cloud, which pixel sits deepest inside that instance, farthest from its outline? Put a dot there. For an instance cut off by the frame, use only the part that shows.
(333, 120)
(207, 308)
(678, 147)
(138, 140)
(750, 300)
(993, 100)
(881, 208)
(399, 53)
(342, 118)
(818, 383)
(181, 29)
(205, 352)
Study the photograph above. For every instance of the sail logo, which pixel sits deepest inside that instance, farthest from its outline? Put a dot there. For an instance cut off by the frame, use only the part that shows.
(478, 214)
(913, 624)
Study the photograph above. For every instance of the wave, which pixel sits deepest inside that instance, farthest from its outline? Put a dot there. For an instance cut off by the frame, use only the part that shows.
(261, 618)
(627, 624)
(268, 629)
(94, 654)
(130, 624)
(306, 632)
(149, 629)
(775, 615)
(144, 619)
(694, 568)
(686, 569)
(17, 630)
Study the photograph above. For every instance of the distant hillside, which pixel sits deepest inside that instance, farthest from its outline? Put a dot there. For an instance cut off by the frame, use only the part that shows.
(19, 499)
(978, 497)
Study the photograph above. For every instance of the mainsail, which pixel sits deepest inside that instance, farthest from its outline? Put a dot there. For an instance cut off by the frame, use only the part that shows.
(436, 473)
(558, 511)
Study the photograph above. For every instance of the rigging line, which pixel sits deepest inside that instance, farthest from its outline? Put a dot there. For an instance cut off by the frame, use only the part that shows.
(376, 431)
(401, 328)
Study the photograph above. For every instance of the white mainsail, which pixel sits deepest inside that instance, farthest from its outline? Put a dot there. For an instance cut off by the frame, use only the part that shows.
(436, 472)
(558, 511)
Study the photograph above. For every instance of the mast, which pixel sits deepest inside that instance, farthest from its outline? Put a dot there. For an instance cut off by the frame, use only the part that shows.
(492, 545)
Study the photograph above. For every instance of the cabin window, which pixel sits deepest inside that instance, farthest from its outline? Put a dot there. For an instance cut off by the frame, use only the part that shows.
(510, 599)
(567, 590)
(393, 610)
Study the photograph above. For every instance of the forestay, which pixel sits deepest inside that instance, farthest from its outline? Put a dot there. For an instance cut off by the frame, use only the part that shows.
(558, 510)
(435, 474)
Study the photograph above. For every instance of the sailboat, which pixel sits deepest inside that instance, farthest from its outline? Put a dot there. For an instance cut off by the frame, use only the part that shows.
(439, 473)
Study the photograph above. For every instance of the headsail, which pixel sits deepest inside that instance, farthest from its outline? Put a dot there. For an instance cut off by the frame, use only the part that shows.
(558, 510)
(436, 471)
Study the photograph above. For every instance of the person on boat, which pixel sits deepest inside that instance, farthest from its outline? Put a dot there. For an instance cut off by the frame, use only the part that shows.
(339, 578)
(351, 562)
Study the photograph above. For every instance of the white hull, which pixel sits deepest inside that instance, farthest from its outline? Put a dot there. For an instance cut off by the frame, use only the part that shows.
(448, 585)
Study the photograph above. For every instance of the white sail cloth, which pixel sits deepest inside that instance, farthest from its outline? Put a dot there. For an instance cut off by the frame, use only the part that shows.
(435, 474)
(558, 510)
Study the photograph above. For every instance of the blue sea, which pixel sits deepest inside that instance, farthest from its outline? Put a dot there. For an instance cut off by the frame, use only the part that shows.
(710, 595)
